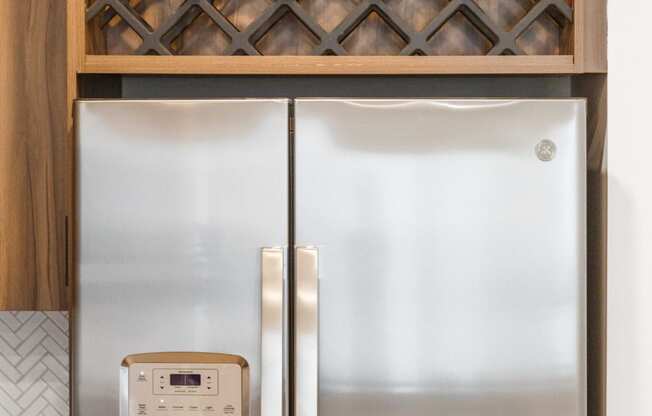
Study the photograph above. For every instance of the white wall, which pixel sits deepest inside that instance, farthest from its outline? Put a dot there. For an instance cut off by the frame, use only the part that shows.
(629, 355)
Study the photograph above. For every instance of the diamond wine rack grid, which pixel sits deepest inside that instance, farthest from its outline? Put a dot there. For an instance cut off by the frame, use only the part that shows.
(334, 37)
(365, 27)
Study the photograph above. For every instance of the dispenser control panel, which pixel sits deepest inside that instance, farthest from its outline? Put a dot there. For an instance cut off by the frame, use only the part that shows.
(181, 389)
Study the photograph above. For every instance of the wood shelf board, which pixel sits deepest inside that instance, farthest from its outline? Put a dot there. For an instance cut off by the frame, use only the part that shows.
(328, 65)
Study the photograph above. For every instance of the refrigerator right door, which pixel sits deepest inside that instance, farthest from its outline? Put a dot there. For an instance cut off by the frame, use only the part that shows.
(441, 259)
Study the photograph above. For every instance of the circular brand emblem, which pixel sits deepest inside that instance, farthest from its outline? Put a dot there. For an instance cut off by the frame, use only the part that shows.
(546, 150)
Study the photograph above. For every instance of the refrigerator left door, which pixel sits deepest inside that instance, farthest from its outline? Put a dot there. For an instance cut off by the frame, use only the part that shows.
(178, 204)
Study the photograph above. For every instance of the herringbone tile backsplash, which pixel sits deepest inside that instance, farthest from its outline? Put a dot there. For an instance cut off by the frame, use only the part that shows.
(34, 364)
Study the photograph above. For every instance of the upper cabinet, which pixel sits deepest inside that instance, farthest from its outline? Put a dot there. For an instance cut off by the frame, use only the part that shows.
(339, 36)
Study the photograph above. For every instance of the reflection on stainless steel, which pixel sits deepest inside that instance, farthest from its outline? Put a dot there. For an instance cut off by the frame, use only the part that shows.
(175, 200)
(272, 359)
(306, 335)
(452, 261)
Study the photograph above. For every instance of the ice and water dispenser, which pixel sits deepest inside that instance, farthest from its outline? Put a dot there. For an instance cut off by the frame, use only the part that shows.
(184, 383)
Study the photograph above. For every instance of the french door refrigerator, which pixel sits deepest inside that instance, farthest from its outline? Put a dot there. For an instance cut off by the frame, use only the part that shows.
(441, 258)
(180, 206)
(435, 249)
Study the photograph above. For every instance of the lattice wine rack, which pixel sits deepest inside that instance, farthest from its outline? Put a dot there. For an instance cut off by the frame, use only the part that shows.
(337, 36)
(329, 27)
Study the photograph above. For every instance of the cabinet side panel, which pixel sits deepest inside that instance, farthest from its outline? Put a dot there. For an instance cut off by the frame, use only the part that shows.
(33, 175)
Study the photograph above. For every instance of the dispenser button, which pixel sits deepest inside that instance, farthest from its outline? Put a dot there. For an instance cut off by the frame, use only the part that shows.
(162, 406)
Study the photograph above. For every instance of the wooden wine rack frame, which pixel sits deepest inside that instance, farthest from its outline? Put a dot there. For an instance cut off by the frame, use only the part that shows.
(582, 51)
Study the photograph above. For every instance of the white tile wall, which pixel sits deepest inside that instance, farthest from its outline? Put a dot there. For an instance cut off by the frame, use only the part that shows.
(34, 364)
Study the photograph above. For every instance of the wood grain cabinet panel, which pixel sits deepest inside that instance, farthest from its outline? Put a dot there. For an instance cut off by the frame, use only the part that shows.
(33, 161)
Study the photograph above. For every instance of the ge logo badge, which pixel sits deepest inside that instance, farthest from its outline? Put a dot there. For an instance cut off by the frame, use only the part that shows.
(546, 150)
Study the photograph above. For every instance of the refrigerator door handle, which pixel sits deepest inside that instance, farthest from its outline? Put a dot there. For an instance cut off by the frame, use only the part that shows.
(272, 334)
(306, 330)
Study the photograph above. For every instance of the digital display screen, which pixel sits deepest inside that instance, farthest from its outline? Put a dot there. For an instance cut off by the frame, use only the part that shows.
(185, 379)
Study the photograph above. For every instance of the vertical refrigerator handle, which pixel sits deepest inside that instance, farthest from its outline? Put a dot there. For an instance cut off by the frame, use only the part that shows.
(272, 333)
(306, 330)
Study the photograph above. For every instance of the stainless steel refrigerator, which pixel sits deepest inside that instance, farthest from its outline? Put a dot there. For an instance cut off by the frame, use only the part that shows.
(366, 257)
